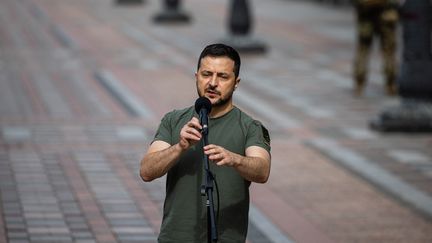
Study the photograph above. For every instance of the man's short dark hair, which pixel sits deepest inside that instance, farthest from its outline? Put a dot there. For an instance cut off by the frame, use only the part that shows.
(221, 50)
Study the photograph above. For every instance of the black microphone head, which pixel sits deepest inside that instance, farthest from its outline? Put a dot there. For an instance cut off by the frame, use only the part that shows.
(203, 103)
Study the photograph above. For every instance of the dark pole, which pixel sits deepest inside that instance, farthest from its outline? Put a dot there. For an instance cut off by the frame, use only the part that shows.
(240, 25)
(171, 13)
(416, 74)
(415, 81)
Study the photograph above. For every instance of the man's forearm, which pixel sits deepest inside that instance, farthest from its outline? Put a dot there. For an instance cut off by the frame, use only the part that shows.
(157, 164)
(253, 169)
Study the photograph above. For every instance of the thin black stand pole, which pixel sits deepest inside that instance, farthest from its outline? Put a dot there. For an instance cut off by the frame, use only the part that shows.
(207, 190)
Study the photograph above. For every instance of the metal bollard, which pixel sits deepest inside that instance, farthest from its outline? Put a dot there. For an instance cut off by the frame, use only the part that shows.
(171, 13)
(240, 25)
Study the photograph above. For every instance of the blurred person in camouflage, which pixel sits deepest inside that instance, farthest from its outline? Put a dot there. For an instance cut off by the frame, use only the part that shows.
(376, 17)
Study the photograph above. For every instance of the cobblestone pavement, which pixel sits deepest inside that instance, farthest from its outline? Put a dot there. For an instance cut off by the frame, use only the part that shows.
(84, 83)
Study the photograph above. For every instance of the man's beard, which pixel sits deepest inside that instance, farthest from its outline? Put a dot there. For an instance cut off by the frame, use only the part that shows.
(221, 101)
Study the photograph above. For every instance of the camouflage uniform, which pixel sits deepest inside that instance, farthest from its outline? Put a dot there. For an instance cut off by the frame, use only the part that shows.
(381, 19)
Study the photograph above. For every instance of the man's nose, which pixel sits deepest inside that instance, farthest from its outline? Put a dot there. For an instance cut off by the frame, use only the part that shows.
(213, 81)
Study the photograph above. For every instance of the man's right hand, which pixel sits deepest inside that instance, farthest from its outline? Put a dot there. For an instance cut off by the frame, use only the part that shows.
(190, 134)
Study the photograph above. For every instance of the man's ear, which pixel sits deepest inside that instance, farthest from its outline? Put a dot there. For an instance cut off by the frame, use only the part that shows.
(237, 83)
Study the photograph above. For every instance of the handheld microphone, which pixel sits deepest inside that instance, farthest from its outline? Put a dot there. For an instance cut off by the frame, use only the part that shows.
(203, 108)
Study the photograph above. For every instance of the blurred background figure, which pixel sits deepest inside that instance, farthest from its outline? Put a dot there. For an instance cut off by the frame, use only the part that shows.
(376, 18)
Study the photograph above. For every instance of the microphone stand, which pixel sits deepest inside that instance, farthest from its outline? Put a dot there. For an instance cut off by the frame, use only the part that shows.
(207, 189)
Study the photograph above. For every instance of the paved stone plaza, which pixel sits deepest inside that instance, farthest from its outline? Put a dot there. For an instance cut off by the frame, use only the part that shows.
(84, 84)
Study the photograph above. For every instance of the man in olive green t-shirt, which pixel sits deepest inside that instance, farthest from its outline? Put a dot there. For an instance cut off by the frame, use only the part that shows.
(238, 150)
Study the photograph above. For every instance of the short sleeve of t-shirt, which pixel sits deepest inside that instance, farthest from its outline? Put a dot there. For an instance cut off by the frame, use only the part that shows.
(164, 132)
(258, 135)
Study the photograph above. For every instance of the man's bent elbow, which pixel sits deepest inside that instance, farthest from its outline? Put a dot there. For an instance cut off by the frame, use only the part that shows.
(145, 177)
(263, 179)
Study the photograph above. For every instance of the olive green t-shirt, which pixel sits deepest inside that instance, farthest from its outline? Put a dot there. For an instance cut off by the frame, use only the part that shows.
(185, 215)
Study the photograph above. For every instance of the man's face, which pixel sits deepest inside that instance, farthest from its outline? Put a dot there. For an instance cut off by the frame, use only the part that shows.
(216, 79)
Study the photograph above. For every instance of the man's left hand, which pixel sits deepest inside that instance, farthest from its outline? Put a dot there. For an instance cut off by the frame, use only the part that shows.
(219, 155)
